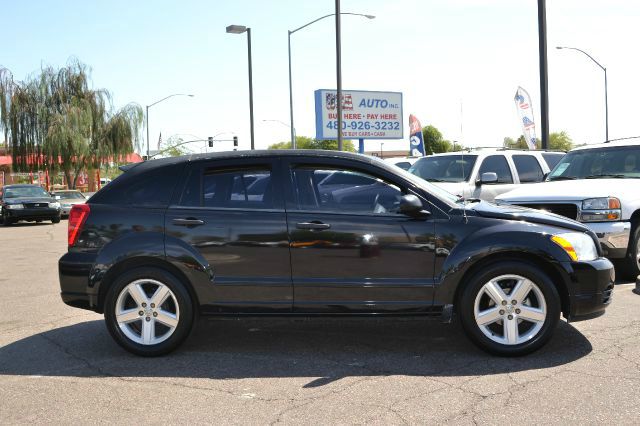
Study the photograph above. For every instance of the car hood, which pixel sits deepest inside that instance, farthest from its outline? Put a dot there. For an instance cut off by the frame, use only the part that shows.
(562, 190)
(29, 200)
(508, 212)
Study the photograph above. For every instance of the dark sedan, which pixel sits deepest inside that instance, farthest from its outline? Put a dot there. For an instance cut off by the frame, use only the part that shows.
(175, 238)
(27, 202)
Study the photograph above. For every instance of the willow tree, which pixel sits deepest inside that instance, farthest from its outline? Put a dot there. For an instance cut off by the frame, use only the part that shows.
(56, 121)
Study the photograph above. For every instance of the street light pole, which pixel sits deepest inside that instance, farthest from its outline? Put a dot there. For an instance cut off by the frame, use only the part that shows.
(147, 114)
(239, 29)
(338, 76)
(606, 102)
(293, 140)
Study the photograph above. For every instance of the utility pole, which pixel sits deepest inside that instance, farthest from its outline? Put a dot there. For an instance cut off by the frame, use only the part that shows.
(544, 86)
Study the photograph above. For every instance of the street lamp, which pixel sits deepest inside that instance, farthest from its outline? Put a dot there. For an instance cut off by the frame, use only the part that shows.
(293, 138)
(147, 114)
(606, 103)
(239, 29)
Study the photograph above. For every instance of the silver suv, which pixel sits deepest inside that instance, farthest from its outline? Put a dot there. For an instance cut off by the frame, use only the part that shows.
(485, 173)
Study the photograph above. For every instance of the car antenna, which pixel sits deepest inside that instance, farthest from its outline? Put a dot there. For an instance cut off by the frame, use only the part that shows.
(464, 203)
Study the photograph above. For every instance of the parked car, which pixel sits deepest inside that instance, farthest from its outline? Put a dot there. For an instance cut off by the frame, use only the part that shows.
(485, 173)
(29, 203)
(68, 199)
(151, 252)
(403, 162)
(598, 185)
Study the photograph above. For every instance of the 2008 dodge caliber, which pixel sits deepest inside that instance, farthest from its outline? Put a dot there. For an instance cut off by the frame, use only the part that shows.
(262, 232)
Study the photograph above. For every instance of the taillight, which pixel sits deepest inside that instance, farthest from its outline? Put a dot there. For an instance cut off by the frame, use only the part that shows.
(77, 216)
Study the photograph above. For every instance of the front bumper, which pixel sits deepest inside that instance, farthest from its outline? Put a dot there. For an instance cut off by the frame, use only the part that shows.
(33, 213)
(590, 287)
(75, 288)
(613, 236)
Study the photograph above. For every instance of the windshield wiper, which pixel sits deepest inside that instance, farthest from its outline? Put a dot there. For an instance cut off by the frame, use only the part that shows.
(435, 180)
(606, 175)
(563, 178)
(467, 200)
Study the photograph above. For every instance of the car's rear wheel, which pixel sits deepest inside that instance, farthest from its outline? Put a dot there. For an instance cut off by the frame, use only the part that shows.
(510, 308)
(148, 311)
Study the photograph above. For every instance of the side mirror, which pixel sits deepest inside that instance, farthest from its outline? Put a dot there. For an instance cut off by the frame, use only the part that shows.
(411, 205)
(487, 178)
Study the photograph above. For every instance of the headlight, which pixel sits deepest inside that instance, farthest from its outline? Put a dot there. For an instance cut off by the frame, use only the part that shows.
(578, 246)
(55, 205)
(15, 206)
(601, 209)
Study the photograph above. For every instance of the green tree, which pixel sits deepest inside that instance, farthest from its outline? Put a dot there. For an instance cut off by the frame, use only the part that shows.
(172, 147)
(434, 142)
(557, 140)
(55, 121)
(304, 142)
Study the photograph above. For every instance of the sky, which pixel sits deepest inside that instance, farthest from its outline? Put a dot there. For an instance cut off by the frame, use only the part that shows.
(458, 63)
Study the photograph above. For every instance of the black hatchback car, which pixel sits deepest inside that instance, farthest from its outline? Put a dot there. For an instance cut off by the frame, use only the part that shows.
(27, 202)
(255, 233)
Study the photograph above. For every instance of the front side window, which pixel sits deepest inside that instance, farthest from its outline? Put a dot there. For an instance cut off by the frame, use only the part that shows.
(498, 165)
(242, 189)
(366, 194)
(528, 168)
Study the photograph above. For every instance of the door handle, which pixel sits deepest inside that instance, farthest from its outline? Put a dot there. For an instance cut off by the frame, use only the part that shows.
(188, 222)
(314, 226)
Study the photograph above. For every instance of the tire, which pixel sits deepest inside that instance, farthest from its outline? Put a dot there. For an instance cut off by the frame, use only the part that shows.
(630, 265)
(533, 319)
(55, 220)
(131, 330)
(6, 221)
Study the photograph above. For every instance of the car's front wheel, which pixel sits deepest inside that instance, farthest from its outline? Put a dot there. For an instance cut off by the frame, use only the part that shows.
(148, 311)
(509, 308)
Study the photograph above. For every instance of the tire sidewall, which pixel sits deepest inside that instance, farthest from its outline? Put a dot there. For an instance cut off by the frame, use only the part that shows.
(529, 271)
(632, 270)
(183, 298)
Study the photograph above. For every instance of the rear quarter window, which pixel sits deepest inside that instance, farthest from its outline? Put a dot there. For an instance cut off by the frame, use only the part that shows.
(151, 188)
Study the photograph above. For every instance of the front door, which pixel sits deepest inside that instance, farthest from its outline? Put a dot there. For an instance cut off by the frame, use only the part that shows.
(351, 251)
(233, 214)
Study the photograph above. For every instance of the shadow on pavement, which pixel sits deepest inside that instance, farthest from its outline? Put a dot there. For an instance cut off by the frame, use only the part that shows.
(329, 349)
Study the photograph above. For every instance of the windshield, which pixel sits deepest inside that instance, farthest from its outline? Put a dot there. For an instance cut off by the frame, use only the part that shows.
(615, 162)
(444, 168)
(25, 191)
(68, 195)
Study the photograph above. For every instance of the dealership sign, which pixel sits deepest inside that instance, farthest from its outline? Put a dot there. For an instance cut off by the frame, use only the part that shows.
(365, 115)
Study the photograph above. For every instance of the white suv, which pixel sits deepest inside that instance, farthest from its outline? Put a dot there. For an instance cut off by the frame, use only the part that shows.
(597, 185)
(485, 173)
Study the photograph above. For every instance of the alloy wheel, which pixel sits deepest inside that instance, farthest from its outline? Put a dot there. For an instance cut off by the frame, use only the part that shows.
(147, 311)
(510, 309)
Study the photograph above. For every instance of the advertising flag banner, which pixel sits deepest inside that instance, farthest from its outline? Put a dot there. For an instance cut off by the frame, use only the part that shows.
(416, 142)
(525, 114)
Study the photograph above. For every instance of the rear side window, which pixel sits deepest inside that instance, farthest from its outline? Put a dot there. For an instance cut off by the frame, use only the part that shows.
(498, 165)
(552, 159)
(148, 189)
(243, 189)
(528, 168)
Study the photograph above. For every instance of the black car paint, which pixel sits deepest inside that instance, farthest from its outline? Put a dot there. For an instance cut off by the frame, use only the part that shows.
(363, 264)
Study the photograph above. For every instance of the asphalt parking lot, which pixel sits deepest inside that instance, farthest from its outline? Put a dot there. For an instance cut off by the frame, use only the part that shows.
(59, 365)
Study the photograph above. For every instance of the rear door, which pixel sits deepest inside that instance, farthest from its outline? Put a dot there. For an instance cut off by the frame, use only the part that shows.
(351, 251)
(232, 212)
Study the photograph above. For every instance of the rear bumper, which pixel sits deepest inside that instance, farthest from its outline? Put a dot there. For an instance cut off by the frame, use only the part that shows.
(75, 271)
(613, 236)
(592, 288)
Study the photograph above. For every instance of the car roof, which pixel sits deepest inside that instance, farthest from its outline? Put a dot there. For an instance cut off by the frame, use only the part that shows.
(613, 144)
(494, 150)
